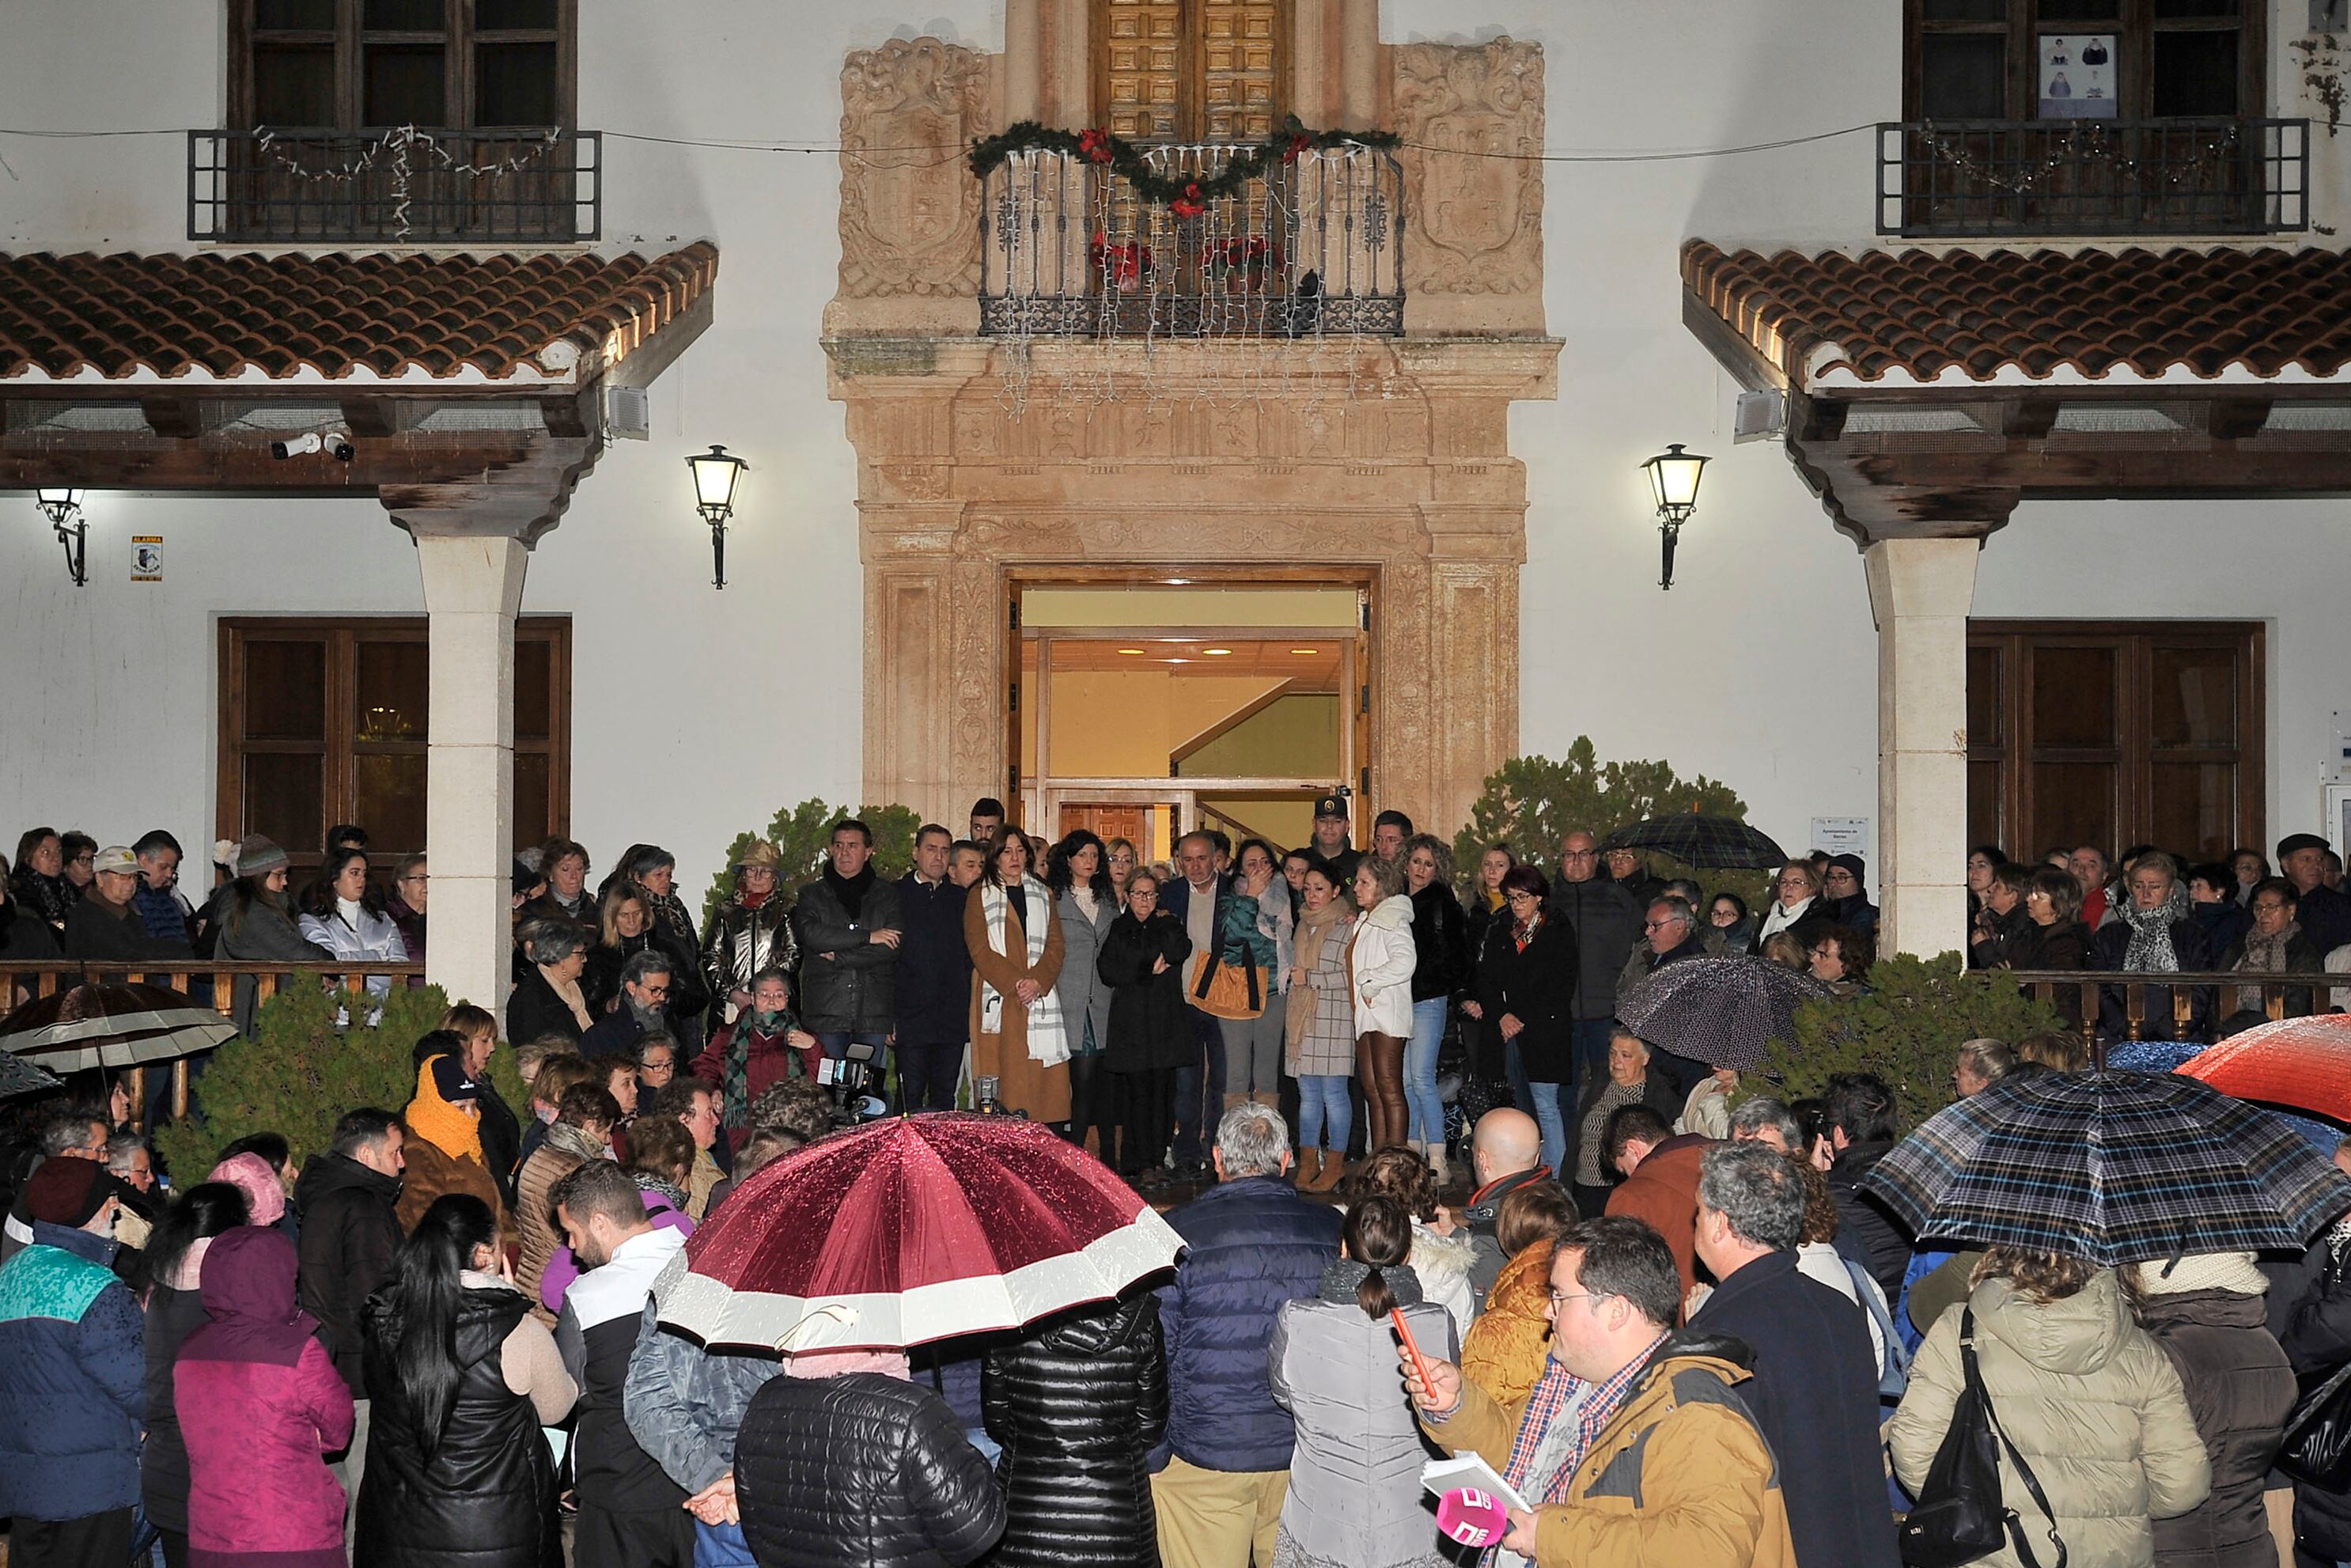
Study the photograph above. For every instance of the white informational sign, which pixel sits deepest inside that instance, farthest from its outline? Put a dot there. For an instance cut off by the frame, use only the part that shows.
(2077, 77)
(1842, 835)
(147, 557)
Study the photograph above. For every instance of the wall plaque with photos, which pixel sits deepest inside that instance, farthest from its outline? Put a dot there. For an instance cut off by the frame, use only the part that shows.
(2077, 76)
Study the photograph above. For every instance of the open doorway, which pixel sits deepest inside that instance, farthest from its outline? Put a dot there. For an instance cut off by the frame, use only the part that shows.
(1147, 709)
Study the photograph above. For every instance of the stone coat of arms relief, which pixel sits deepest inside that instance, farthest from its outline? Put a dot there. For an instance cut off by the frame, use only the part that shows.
(909, 208)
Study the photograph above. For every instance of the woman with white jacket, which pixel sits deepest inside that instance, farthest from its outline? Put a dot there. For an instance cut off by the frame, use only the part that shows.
(344, 912)
(1380, 963)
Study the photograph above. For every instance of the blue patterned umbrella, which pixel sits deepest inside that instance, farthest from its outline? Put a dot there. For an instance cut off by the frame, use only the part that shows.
(2115, 1168)
(21, 1077)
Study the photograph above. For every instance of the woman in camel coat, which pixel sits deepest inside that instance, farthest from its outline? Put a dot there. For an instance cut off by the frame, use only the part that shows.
(1012, 984)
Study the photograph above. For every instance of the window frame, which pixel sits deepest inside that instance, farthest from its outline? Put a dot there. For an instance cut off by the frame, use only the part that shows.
(458, 36)
(2134, 32)
(342, 746)
(2135, 755)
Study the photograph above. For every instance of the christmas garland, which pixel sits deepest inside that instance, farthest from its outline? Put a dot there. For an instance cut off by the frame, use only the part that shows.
(1185, 195)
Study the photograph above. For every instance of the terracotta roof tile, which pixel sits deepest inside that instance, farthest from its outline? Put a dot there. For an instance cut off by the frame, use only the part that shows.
(1978, 313)
(222, 313)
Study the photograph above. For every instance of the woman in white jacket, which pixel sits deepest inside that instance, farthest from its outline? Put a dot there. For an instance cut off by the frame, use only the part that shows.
(344, 912)
(1379, 961)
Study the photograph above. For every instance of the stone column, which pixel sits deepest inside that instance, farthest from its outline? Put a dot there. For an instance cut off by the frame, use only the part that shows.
(1359, 63)
(1919, 591)
(472, 591)
(1024, 60)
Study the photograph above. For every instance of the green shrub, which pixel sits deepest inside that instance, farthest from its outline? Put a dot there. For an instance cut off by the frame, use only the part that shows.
(1531, 803)
(299, 1074)
(802, 835)
(1905, 1029)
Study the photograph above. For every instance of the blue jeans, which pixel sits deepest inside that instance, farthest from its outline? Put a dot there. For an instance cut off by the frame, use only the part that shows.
(1325, 1116)
(721, 1546)
(1426, 1110)
(1552, 1121)
(1200, 1091)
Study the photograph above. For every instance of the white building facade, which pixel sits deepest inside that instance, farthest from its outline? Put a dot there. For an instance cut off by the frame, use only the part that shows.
(694, 713)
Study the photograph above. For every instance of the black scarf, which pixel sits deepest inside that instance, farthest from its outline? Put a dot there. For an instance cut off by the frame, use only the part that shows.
(850, 890)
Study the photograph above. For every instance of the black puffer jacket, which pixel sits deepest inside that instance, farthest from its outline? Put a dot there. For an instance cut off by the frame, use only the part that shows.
(2311, 1314)
(2240, 1389)
(485, 1497)
(351, 1229)
(1078, 1408)
(1440, 944)
(861, 1470)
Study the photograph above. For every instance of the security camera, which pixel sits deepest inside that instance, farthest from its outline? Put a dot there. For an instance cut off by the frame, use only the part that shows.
(336, 443)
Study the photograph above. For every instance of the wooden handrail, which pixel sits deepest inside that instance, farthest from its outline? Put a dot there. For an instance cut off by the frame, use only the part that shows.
(2082, 989)
(50, 974)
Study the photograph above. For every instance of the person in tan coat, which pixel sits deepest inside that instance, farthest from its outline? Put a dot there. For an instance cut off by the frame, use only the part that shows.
(582, 1131)
(1675, 1473)
(1019, 1036)
(2089, 1399)
(1506, 1345)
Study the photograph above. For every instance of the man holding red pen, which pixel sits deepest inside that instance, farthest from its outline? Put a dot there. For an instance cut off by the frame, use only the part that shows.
(1634, 1439)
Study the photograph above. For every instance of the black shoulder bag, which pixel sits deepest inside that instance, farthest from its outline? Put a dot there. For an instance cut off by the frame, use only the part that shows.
(1959, 1516)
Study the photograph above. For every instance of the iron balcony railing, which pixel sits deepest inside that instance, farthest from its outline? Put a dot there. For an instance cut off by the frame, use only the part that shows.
(1986, 178)
(1068, 249)
(401, 186)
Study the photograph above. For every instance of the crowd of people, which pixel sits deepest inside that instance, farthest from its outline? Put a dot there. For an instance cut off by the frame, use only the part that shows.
(1663, 1308)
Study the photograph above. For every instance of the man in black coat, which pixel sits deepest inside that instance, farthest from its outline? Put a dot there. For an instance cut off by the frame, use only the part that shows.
(1814, 1392)
(934, 979)
(348, 1199)
(1607, 924)
(849, 929)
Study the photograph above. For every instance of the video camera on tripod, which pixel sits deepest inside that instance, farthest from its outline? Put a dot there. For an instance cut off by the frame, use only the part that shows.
(856, 1097)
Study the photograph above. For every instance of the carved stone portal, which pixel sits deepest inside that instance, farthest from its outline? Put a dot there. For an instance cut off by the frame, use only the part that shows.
(1386, 460)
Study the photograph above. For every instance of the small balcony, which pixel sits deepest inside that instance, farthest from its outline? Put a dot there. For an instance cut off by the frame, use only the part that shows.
(1069, 249)
(1982, 179)
(405, 186)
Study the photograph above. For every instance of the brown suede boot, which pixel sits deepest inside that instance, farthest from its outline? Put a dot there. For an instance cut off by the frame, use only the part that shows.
(1334, 1170)
(1310, 1169)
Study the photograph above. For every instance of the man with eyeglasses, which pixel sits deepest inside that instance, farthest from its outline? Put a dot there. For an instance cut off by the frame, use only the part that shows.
(1607, 922)
(412, 886)
(1631, 1446)
(643, 1005)
(1669, 934)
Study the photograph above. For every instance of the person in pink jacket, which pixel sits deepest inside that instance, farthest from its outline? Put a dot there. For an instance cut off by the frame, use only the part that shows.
(260, 1407)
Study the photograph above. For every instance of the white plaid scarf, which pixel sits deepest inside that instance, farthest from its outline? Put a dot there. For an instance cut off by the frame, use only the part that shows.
(1048, 1041)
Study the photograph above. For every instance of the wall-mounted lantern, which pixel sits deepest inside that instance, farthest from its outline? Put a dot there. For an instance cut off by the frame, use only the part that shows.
(714, 474)
(1673, 476)
(62, 506)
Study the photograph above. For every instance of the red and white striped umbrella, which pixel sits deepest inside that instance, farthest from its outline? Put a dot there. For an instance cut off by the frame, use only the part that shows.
(111, 1025)
(914, 1229)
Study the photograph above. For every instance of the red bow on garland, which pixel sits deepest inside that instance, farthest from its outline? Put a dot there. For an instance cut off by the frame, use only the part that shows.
(1188, 204)
(1095, 145)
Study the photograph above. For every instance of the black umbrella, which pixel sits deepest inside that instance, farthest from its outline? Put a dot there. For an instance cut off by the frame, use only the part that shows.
(1724, 1012)
(1708, 843)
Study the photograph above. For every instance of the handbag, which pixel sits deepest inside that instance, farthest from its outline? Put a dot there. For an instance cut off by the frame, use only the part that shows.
(1959, 1516)
(1225, 990)
(2317, 1447)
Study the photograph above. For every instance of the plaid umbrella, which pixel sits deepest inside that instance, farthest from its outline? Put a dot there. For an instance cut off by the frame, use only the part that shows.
(1724, 1012)
(111, 1025)
(2301, 1063)
(1709, 844)
(20, 1077)
(2115, 1168)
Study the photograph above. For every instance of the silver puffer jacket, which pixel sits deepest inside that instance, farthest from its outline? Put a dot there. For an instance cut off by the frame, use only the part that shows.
(741, 942)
